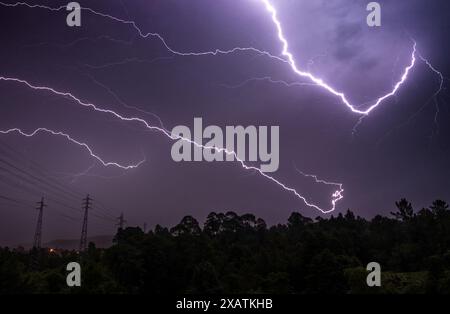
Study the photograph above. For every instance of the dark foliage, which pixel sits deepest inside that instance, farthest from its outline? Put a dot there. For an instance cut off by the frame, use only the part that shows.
(240, 254)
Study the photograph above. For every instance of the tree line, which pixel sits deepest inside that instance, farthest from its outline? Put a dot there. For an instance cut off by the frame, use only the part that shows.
(234, 253)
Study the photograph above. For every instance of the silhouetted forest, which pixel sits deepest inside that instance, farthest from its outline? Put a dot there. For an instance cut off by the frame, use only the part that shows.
(240, 254)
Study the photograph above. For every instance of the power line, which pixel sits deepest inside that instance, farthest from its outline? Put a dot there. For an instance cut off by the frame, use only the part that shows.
(7, 198)
(104, 212)
(46, 189)
(28, 180)
(51, 199)
(50, 180)
(26, 204)
(31, 188)
(34, 166)
(32, 176)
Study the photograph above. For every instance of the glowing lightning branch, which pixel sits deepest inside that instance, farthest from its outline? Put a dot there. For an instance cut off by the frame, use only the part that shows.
(68, 137)
(270, 80)
(434, 97)
(287, 58)
(121, 102)
(438, 91)
(83, 173)
(144, 35)
(285, 52)
(86, 173)
(441, 76)
(336, 196)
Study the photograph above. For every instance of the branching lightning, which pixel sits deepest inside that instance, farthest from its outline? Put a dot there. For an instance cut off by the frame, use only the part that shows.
(433, 98)
(438, 91)
(267, 79)
(335, 199)
(290, 58)
(145, 35)
(87, 173)
(123, 103)
(336, 196)
(286, 58)
(69, 138)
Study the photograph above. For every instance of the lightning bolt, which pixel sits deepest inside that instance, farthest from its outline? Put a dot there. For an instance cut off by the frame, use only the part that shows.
(438, 91)
(290, 58)
(83, 173)
(145, 35)
(86, 173)
(434, 97)
(336, 196)
(123, 103)
(267, 79)
(287, 58)
(69, 138)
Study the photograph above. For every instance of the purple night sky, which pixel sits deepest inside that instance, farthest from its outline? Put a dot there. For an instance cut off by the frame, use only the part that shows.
(400, 150)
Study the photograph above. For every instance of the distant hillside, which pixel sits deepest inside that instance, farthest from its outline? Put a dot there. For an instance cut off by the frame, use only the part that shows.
(103, 241)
